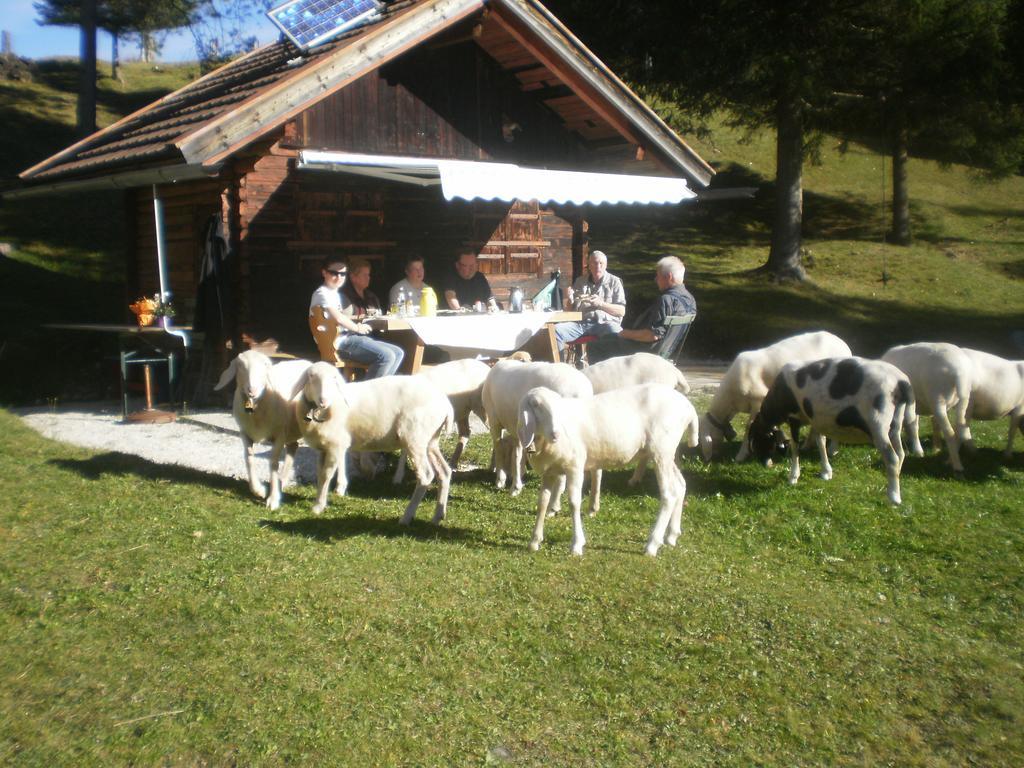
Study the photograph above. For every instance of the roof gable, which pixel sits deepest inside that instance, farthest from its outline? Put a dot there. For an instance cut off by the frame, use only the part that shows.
(208, 120)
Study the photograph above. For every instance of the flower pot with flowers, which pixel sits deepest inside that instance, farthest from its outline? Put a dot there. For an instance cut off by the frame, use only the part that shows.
(147, 309)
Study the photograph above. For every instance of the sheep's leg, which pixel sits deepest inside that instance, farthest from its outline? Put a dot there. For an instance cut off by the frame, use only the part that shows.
(287, 475)
(517, 468)
(744, 452)
(556, 502)
(595, 491)
(941, 425)
(668, 491)
(342, 470)
(418, 455)
(574, 482)
(400, 469)
(547, 485)
(886, 444)
(326, 467)
(914, 436)
(274, 497)
(794, 454)
(444, 479)
(1015, 422)
(638, 473)
(249, 453)
(463, 427)
(497, 463)
(675, 526)
(826, 467)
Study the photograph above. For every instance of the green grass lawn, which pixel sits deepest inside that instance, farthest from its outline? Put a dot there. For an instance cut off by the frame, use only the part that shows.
(155, 615)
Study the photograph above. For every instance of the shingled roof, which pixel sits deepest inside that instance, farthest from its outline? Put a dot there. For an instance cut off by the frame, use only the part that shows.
(201, 124)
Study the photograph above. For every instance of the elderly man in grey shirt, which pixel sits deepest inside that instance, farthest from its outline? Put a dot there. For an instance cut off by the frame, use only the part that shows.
(601, 298)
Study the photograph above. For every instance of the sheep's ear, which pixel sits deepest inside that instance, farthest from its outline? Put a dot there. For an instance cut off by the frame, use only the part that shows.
(228, 376)
(299, 384)
(527, 427)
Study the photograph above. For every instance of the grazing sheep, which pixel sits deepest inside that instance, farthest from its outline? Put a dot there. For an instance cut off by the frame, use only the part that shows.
(851, 399)
(633, 370)
(262, 410)
(749, 378)
(461, 381)
(574, 435)
(382, 414)
(997, 391)
(505, 386)
(942, 376)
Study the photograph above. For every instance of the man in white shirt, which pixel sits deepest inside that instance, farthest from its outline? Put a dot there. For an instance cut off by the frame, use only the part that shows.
(600, 296)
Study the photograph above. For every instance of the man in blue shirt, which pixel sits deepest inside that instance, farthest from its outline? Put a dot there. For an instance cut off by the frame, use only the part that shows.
(650, 327)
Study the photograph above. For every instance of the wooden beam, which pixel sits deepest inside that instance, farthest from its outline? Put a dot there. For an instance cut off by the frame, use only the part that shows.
(563, 72)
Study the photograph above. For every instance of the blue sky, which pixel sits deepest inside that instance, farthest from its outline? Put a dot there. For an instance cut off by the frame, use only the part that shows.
(37, 42)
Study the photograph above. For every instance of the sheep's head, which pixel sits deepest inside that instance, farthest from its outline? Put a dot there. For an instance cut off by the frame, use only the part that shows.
(250, 371)
(713, 432)
(765, 441)
(322, 389)
(538, 418)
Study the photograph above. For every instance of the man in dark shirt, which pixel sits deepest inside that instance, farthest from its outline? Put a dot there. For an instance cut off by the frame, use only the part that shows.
(649, 328)
(465, 286)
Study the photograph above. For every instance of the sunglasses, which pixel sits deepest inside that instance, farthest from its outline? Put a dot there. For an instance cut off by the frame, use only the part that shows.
(336, 272)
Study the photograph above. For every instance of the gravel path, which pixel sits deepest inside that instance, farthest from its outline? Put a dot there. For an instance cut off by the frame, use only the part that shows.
(207, 440)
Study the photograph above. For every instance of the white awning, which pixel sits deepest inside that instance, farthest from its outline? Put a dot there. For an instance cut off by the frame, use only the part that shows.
(503, 181)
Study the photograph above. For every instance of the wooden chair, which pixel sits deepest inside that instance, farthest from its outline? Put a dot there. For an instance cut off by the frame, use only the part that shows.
(671, 345)
(576, 351)
(325, 330)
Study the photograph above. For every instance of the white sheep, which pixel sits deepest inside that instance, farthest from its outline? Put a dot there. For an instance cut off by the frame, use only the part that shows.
(749, 378)
(850, 399)
(574, 435)
(461, 381)
(262, 410)
(633, 370)
(382, 414)
(630, 371)
(505, 386)
(997, 391)
(943, 377)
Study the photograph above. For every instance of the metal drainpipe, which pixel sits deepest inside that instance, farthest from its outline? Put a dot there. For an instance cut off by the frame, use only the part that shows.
(161, 263)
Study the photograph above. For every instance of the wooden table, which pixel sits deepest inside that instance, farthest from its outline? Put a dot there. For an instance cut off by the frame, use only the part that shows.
(467, 331)
(142, 345)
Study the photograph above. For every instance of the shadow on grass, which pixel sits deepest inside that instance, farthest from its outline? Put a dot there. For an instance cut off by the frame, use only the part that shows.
(328, 529)
(116, 463)
(981, 466)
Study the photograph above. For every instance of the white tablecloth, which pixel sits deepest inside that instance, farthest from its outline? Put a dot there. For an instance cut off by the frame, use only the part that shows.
(501, 331)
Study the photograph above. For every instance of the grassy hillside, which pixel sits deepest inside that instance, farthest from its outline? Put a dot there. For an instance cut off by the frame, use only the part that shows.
(961, 280)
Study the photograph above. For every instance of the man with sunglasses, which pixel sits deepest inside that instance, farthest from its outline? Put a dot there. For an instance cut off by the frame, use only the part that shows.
(354, 342)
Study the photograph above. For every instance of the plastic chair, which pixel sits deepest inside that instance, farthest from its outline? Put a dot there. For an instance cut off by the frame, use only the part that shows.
(671, 345)
(325, 330)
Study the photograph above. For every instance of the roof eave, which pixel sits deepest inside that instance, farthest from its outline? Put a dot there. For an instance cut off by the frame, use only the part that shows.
(165, 174)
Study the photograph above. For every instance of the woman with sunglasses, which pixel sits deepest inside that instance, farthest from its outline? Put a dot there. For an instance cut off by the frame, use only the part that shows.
(354, 342)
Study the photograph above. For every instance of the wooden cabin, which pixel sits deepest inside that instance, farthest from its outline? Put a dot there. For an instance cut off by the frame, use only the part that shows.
(485, 81)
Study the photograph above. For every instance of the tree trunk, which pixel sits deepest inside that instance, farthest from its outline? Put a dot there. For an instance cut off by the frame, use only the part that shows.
(86, 113)
(115, 57)
(784, 256)
(900, 233)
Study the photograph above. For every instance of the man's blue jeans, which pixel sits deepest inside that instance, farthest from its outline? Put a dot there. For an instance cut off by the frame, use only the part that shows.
(383, 358)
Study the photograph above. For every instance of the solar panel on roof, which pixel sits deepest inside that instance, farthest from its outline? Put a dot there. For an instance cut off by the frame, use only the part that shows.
(311, 22)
